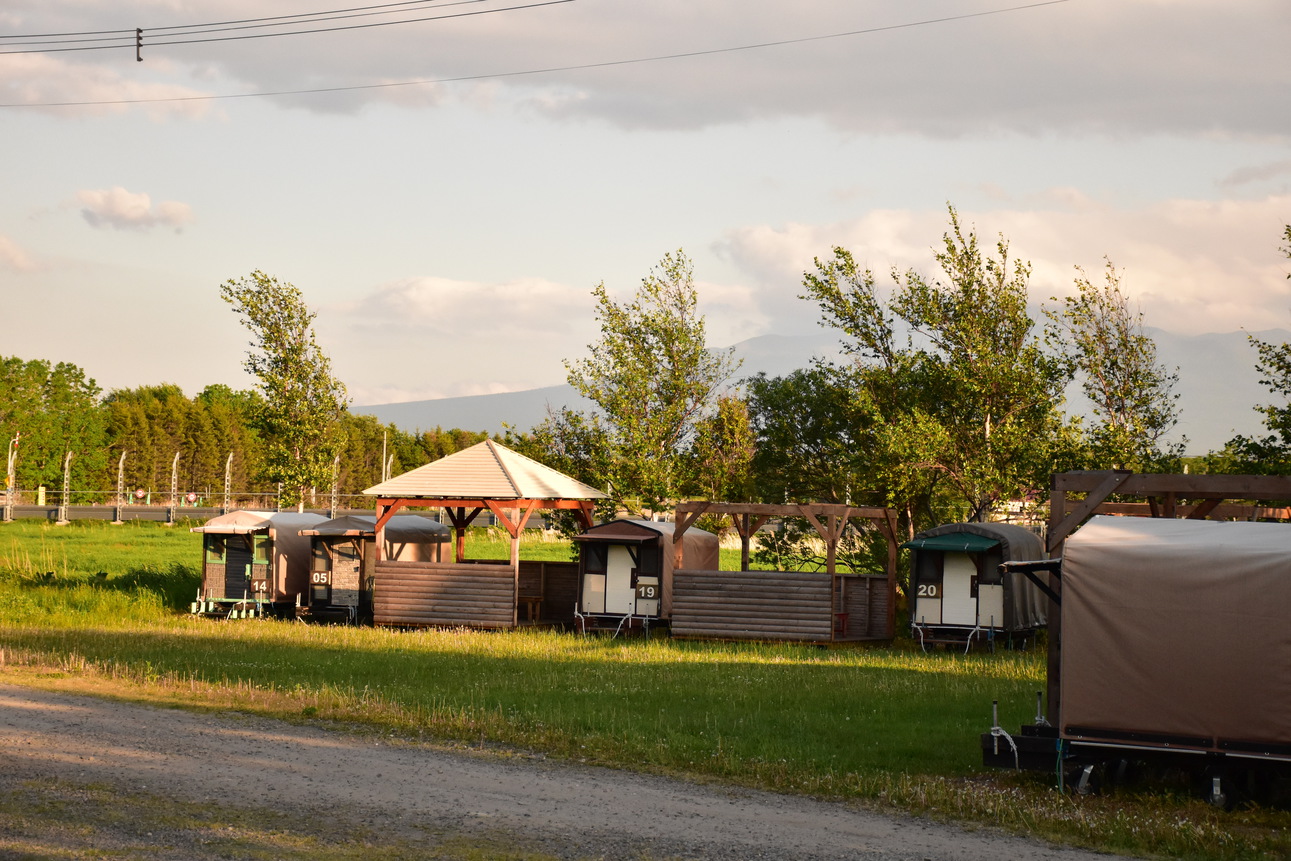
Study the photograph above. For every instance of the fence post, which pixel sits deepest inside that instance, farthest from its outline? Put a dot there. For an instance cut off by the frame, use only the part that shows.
(67, 480)
(121, 485)
(9, 479)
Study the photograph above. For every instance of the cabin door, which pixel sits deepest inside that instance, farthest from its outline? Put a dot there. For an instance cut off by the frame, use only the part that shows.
(620, 592)
(959, 590)
(237, 565)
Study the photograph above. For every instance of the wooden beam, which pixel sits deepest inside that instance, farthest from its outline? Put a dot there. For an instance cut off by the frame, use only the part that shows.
(1188, 486)
(683, 520)
(1110, 482)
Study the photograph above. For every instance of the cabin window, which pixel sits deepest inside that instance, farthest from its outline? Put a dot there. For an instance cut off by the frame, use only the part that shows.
(262, 550)
(215, 545)
(595, 557)
(322, 560)
(347, 552)
(649, 559)
(929, 574)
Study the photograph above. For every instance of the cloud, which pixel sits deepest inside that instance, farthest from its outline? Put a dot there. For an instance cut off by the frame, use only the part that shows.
(51, 84)
(123, 210)
(1188, 67)
(1192, 266)
(15, 259)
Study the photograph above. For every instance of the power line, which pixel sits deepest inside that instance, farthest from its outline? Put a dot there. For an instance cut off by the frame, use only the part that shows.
(548, 69)
(128, 38)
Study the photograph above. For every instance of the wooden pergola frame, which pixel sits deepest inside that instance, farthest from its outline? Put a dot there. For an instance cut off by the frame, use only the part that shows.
(1192, 497)
(461, 512)
(829, 521)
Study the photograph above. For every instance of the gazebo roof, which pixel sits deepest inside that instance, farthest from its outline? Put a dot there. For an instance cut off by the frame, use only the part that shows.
(487, 470)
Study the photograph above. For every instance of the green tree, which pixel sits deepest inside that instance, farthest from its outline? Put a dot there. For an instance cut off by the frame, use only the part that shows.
(1270, 454)
(968, 397)
(1131, 393)
(721, 455)
(299, 422)
(55, 409)
(653, 378)
(814, 437)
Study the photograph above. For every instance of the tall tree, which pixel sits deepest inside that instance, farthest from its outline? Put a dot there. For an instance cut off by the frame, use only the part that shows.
(299, 422)
(1271, 453)
(55, 410)
(1131, 393)
(653, 377)
(967, 393)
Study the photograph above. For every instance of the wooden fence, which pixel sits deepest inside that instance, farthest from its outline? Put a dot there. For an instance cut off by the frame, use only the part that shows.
(780, 605)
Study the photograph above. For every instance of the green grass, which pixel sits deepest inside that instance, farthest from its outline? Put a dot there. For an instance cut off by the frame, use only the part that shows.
(890, 726)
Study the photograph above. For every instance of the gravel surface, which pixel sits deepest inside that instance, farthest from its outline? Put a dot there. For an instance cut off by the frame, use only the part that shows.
(566, 810)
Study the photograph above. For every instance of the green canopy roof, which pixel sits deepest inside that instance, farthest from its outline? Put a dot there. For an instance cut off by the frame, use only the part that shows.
(954, 542)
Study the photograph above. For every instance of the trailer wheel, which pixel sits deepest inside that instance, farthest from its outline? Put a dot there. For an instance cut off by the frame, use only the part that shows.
(1085, 779)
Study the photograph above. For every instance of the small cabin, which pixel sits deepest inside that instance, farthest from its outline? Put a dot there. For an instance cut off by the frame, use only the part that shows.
(958, 597)
(625, 572)
(254, 563)
(343, 561)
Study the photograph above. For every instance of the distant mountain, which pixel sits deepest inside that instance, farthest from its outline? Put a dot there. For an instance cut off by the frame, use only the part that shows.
(774, 355)
(1218, 387)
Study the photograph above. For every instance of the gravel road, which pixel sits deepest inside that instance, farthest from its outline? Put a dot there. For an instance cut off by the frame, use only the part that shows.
(567, 810)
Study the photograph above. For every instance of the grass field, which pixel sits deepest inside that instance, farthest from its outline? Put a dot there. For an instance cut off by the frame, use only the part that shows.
(891, 726)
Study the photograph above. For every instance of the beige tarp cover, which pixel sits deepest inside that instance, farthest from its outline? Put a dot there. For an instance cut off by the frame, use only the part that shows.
(408, 537)
(700, 549)
(1178, 627)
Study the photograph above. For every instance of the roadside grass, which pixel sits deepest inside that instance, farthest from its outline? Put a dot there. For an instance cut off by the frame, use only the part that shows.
(889, 727)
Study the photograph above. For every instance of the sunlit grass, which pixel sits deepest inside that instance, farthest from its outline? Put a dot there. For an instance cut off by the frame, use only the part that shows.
(890, 726)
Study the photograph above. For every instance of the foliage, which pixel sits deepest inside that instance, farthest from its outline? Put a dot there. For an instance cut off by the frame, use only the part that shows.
(299, 421)
(1270, 454)
(968, 399)
(150, 425)
(1133, 396)
(53, 410)
(653, 379)
(815, 437)
(721, 456)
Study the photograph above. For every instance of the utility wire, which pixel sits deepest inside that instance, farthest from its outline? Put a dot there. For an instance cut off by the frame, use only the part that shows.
(129, 38)
(548, 69)
(130, 31)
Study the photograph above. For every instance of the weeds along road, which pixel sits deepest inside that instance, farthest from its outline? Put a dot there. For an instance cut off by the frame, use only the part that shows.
(427, 795)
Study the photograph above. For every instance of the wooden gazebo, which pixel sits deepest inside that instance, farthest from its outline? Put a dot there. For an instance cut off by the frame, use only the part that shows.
(812, 606)
(478, 593)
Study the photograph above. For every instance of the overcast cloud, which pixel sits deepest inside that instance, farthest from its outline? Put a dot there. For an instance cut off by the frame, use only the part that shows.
(450, 233)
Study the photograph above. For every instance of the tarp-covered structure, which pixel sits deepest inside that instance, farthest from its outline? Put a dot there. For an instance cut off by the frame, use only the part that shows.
(488, 477)
(626, 569)
(1176, 635)
(959, 595)
(254, 562)
(343, 559)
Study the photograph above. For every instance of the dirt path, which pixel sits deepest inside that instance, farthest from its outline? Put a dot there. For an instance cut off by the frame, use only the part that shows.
(567, 810)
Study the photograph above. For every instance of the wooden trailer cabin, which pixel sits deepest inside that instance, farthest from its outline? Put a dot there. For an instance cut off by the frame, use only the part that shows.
(254, 563)
(625, 572)
(959, 597)
(830, 605)
(478, 593)
(343, 560)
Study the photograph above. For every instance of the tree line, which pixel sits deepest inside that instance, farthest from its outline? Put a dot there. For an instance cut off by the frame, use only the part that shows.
(949, 404)
(55, 408)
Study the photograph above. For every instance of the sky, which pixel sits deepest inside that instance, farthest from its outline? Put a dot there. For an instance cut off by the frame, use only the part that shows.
(446, 193)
